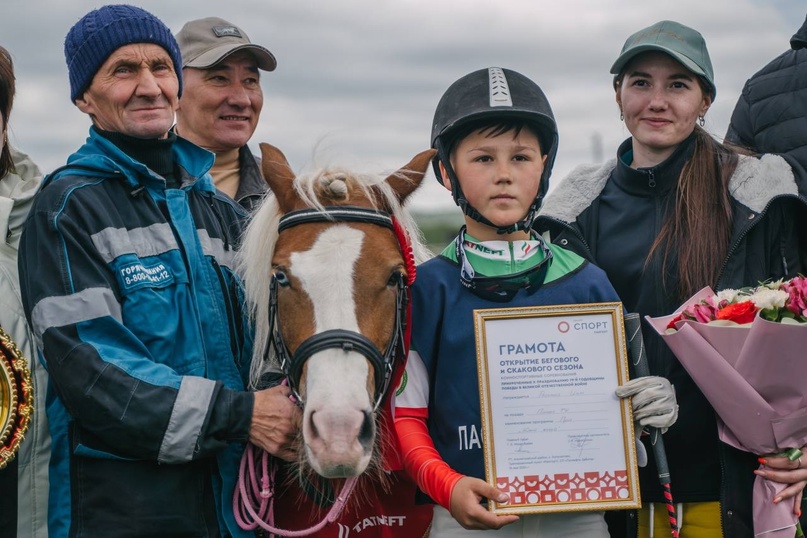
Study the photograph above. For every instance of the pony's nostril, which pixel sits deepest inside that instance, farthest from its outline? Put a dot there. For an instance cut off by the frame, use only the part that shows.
(367, 432)
(313, 425)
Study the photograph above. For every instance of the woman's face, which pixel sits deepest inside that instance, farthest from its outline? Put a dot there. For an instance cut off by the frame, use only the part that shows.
(661, 100)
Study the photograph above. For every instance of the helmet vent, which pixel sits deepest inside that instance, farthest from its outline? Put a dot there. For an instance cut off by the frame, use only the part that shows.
(499, 89)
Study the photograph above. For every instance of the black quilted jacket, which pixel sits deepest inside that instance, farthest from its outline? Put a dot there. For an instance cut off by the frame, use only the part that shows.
(771, 113)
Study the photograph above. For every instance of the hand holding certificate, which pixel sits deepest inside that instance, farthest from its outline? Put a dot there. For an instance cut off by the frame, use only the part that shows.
(556, 437)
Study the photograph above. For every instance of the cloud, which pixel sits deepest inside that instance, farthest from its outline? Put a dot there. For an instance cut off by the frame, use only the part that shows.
(359, 79)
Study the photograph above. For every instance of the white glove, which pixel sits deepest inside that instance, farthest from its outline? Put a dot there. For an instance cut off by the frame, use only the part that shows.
(653, 401)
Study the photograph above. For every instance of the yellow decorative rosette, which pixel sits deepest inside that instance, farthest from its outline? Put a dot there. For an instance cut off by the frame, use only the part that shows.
(16, 398)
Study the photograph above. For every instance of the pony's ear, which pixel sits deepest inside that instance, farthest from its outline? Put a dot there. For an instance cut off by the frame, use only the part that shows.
(278, 175)
(406, 180)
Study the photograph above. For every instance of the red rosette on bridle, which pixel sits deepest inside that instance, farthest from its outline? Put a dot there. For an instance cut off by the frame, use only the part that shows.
(16, 398)
(406, 250)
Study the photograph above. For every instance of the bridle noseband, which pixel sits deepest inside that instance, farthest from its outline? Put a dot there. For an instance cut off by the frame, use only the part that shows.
(383, 364)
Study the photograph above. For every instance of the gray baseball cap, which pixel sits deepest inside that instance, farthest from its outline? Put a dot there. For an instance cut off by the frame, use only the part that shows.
(684, 44)
(205, 42)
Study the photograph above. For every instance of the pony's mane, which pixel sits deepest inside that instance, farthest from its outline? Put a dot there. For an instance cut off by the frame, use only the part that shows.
(258, 245)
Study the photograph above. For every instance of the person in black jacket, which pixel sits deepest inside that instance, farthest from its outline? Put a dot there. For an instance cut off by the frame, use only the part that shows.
(770, 114)
(676, 211)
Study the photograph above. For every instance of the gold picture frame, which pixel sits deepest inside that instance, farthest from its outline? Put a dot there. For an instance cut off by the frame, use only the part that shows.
(555, 436)
(16, 398)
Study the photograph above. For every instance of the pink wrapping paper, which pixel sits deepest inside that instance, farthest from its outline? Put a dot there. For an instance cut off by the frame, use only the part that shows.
(755, 377)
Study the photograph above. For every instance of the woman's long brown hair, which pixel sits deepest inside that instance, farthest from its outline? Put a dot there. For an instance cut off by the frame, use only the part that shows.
(6, 101)
(699, 229)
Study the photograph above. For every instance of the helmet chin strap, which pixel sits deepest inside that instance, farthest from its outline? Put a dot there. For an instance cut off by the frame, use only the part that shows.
(459, 198)
(522, 225)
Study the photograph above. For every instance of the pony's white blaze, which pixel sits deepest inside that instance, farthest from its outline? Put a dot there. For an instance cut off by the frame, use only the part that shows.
(337, 426)
(326, 273)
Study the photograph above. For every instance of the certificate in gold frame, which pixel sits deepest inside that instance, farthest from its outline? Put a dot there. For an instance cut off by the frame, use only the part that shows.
(555, 436)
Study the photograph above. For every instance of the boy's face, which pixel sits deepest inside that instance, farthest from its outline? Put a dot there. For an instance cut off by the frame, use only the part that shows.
(499, 176)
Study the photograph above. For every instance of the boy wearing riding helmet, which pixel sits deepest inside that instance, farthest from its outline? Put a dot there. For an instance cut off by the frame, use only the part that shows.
(496, 139)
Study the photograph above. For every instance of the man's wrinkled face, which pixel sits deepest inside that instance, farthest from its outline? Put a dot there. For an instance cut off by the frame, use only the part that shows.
(134, 92)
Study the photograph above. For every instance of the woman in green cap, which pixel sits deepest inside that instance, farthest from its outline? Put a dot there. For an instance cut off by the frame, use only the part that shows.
(676, 211)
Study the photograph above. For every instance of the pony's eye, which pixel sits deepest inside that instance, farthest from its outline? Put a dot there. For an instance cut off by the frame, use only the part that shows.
(395, 278)
(282, 279)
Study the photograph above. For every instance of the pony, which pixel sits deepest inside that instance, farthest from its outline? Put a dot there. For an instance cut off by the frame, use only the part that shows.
(330, 312)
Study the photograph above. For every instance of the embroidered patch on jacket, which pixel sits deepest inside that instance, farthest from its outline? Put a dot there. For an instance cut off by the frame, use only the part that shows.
(137, 275)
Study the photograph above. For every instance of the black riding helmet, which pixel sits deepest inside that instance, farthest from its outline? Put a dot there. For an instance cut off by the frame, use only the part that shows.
(487, 96)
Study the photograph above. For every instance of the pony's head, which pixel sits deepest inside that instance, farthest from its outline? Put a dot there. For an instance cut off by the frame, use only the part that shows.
(331, 306)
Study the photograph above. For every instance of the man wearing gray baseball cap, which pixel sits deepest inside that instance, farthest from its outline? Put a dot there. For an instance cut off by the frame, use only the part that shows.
(222, 101)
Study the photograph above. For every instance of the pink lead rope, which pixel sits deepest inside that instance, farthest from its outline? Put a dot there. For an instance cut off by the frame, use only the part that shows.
(253, 501)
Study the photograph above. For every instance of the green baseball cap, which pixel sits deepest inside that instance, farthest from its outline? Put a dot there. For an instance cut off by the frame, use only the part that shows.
(684, 44)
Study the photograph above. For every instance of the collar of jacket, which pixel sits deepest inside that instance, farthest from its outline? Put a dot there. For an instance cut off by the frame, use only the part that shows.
(654, 181)
(99, 157)
(251, 182)
(17, 190)
(754, 183)
(757, 181)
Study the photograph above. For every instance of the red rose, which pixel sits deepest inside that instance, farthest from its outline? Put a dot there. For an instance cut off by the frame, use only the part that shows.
(671, 324)
(744, 312)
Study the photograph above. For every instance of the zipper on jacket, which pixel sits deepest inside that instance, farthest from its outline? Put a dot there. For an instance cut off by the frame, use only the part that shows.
(235, 347)
(660, 204)
(730, 253)
(651, 178)
(784, 260)
(220, 221)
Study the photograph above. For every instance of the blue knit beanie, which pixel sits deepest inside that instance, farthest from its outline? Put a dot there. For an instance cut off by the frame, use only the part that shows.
(102, 31)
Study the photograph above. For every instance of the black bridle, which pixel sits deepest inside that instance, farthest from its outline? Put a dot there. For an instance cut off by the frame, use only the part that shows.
(383, 364)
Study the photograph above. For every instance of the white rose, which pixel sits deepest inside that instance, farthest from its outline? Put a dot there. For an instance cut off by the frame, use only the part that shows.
(729, 295)
(767, 299)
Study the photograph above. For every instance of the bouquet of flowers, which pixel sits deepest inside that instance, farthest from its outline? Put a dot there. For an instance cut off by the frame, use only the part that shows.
(745, 350)
(780, 301)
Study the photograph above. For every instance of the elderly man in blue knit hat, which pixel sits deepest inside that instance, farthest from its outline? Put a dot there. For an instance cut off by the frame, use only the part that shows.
(127, 281)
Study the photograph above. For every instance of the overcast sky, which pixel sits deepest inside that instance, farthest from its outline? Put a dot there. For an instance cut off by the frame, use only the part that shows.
(358, 80)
